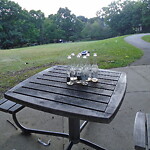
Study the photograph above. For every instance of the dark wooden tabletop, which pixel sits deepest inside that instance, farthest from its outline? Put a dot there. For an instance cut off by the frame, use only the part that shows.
(48, 91)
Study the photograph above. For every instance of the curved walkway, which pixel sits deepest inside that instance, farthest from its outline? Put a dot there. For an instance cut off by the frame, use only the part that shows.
(137, 96)
(136, 41)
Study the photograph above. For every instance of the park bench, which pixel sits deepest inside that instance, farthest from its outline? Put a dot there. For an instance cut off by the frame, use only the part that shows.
(9, 106)
(12, 108)
(142, 131)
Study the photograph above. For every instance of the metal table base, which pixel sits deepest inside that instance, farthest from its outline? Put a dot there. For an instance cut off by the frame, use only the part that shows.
(74, 133)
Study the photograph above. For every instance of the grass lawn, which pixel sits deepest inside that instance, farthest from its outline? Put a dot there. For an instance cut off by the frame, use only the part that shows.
(146, 38)
(18, 64)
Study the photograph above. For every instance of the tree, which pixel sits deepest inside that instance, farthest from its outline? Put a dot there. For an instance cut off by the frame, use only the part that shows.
(146, 15)
(52, 33)
(19, 27)
(68, 23)
(83, 19)
(127, 17)
(117, 17)
(9, 24)
(95, 29)
(37, 18)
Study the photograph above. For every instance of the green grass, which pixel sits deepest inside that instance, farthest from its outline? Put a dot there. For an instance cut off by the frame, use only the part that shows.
(146, 38)
(18, 64)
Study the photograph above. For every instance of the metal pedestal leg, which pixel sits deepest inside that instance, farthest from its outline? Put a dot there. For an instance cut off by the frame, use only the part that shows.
(75, 129)
(71, 121)
(74, 132)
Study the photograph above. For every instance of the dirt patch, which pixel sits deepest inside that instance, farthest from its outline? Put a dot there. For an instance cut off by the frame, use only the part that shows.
(30, 68)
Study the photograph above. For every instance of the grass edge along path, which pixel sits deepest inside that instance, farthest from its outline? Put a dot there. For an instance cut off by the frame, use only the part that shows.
(146, 38)
(18, 64)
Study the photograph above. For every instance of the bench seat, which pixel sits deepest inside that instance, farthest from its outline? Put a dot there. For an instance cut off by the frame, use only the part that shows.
(9, 106)
(142, 131)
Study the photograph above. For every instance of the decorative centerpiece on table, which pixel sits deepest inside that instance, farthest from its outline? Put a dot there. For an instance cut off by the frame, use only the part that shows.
(82, 68)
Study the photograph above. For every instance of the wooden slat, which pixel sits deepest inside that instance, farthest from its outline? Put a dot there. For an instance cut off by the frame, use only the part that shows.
(148, 130)
(102, 96)
(79, 88)
(7, 105)
(109, 72)
(108, 77)
(58, 71)
(15, 108)
(105, 74)
(102, 73)
(75, 86)
(57, 108)
(103, 81)
(62, 79)
(63, 99)
(101, 85)
(108, 82)
(100, 76)
(61, 67)
(3, 100)
(139, 131)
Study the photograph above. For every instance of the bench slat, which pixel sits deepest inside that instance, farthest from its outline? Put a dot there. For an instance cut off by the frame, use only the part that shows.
(9, 106)
(3, 100)
(15, 108)
(139, 131)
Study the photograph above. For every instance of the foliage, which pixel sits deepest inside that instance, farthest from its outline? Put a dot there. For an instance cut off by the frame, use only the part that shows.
(127, 17)
(68, 25)
(146, 15)
(20, 28)
(9, 12)
(96, 29)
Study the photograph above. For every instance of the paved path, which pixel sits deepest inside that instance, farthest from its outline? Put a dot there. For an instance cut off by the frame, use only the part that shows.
(136, 41)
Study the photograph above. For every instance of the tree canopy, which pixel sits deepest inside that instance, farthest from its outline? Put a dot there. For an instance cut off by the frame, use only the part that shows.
(127, 17)
(19, 27)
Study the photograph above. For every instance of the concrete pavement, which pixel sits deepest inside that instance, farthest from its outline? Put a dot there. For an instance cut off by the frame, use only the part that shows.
(118, 135)
(136, 41)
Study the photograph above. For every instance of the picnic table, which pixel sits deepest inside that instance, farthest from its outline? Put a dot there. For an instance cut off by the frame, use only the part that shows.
(96, 102)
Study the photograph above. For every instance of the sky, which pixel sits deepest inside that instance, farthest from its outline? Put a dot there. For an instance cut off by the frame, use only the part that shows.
(87, 8)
